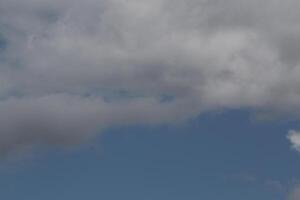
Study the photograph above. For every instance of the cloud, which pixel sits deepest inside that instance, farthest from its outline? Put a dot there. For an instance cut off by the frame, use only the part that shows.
(294, 138)
(69, 68)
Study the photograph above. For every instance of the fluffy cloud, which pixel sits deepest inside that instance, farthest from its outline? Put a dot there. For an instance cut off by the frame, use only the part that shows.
(71, 67)
(294, 138)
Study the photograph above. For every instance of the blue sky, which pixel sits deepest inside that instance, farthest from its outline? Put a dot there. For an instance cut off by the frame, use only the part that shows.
(217, 156)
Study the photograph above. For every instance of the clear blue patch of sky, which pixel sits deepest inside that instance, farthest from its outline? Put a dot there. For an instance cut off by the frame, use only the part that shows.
(224, 156)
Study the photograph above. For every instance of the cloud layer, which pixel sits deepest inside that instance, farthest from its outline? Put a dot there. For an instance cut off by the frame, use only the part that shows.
(71, 67)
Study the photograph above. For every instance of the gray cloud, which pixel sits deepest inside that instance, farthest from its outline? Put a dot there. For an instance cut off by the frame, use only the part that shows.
(69, 68)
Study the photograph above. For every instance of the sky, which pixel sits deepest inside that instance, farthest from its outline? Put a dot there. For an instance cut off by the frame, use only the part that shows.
(216, 156)
(160, 99)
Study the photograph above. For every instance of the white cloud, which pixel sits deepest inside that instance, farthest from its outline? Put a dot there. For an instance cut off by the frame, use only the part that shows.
(72, 66)
(294, 138)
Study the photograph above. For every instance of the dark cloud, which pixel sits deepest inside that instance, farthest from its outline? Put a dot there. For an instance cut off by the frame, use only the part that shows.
(66, 61)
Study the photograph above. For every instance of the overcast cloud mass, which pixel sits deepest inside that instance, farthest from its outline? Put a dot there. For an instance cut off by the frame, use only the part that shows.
(69, 68)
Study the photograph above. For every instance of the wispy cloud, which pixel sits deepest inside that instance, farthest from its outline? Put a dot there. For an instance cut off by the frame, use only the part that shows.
(294, 194)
